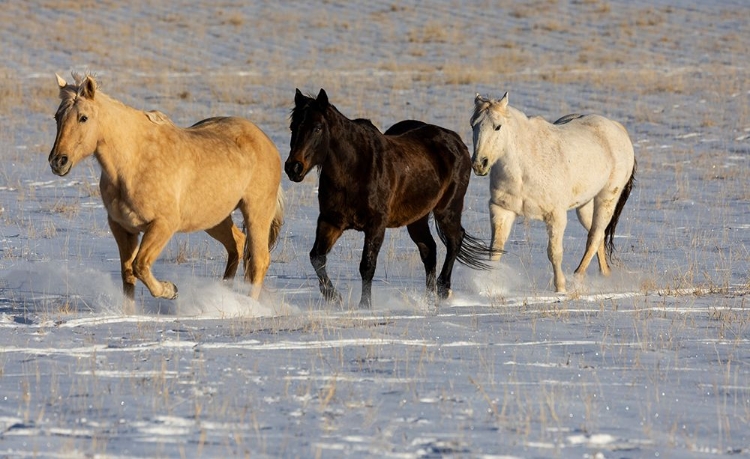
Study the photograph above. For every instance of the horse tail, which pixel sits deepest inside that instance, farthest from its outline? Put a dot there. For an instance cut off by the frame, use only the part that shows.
(473, 251)
(278, 219)
(609, 233)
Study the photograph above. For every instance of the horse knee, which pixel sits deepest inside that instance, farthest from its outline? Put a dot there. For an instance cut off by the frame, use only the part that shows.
(140, 269)
(316, 260)
(128, 277)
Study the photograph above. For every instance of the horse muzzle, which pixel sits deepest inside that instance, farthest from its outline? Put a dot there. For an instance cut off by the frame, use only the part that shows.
(480, 166)
(60, 164)
(295, 170)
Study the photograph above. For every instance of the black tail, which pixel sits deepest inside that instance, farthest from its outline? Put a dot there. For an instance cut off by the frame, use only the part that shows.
(473, 252)
(609, 233)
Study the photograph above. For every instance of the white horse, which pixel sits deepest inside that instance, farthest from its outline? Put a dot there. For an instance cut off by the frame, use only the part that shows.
(541, 170)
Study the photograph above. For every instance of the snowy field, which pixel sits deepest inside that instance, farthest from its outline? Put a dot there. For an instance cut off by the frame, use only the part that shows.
(651, 362)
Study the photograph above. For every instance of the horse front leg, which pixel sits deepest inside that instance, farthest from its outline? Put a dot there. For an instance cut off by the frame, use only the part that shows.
(419, 231)
(555, 229)
(127, 245)
(373, 241)
(154, 240)
(325, 236)
(501, 223)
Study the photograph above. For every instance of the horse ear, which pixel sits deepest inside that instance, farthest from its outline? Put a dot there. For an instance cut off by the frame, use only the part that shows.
(479, 100)
(322, 98)
(299, 98)
(88, 87)
(504, 101)
(61, 81)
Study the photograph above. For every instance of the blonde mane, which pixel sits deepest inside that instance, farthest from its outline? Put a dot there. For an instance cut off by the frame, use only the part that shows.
(157, 117)
(70, 92)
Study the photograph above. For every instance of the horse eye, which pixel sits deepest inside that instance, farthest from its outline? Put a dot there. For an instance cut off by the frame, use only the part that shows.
(317, 128)
(83, 119)
(497, 128)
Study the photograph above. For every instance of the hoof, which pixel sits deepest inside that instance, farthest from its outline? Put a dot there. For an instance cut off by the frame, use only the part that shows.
(128, 306)
(444, 293)
(170, 291)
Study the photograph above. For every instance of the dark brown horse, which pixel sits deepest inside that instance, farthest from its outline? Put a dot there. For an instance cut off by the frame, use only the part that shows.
(371, 181)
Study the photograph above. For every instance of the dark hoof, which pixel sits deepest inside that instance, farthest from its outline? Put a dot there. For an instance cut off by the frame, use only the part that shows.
(444, 293)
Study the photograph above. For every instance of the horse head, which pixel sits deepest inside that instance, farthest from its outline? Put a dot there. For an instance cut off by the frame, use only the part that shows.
(310, 135)
(486, 123)
(76, 118)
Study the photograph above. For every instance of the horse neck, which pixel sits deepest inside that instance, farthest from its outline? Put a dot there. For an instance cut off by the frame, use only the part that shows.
(521, 139)
(350, 145)
(120, 136)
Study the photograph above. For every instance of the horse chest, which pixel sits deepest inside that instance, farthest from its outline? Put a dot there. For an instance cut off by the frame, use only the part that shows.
(348, 208)
(121, 209)
(125, 215)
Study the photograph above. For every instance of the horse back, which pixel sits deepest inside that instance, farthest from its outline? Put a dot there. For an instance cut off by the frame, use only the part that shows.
(596, 130)
(437, 139)
(434, 167)
(404, 126)
(242, 132)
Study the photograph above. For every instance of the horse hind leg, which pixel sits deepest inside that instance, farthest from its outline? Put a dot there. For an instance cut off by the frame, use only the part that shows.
(452, 234)
(373, 241)
(419, 231)
(233, 241)
(601, 214)
(127, 245)
(585, 215)
(257, 256)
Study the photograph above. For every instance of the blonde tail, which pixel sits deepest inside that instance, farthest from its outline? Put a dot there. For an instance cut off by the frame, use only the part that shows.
(278, 219)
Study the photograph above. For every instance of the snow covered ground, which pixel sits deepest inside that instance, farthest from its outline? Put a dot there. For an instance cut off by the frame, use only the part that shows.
(652, 362)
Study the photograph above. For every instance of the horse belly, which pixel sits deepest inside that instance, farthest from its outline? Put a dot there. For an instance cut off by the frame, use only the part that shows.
(405, 211)
(205, 208)
(205, 221)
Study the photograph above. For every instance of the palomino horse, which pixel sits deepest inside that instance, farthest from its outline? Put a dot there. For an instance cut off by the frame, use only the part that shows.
(541, 170)
(370, 181)
(158, 179)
